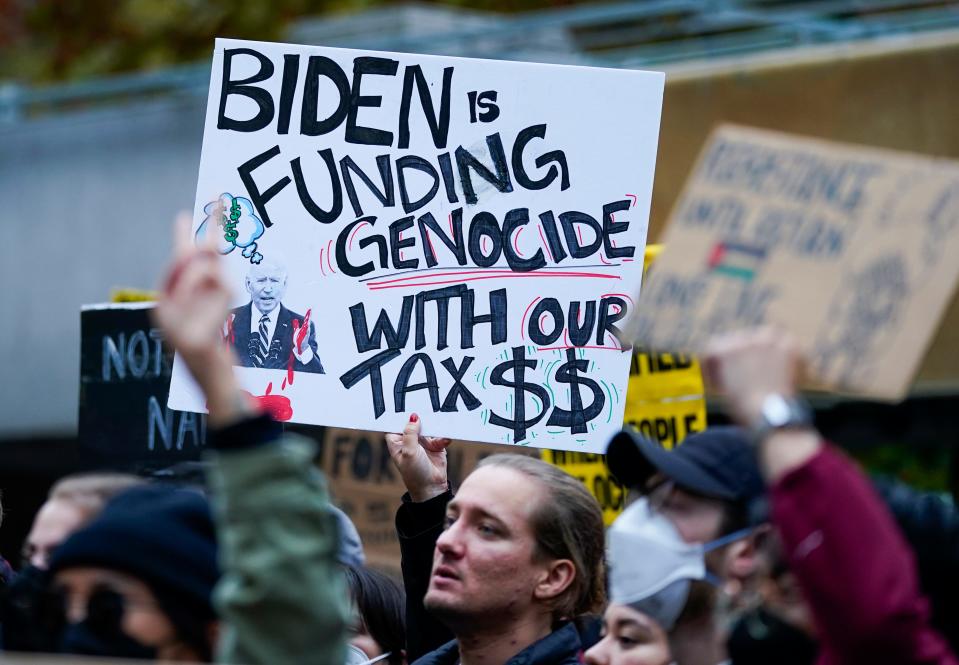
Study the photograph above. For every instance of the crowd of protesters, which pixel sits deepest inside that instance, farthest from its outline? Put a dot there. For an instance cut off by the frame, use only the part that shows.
(754, 543)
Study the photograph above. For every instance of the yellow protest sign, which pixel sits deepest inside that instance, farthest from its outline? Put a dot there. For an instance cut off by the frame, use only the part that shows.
(664, 401)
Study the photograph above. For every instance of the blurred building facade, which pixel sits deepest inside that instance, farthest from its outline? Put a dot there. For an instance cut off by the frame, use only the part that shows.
(91, 174)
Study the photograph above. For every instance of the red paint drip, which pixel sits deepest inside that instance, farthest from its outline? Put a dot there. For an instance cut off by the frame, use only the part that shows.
(229, 329)
(283, 385)
(269, 388)
(277, 406)
(292, 358)
(302, 334)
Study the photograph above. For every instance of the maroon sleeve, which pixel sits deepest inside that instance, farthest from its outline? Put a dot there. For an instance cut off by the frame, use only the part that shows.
(855, 569)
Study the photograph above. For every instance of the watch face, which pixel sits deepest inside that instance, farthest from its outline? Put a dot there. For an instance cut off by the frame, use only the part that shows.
(777, 411)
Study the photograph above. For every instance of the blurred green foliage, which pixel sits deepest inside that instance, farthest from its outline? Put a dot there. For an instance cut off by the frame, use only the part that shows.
(923, 467)
(60, 40)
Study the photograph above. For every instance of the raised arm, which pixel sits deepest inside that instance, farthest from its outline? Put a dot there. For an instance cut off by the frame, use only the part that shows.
(856, 571)
(282, 597)
(421, 462)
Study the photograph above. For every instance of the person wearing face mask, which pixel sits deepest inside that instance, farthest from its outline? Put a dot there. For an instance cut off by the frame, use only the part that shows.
(695, 515)
(662, 595)
(71, 503)
(856, 572)
(137, 581)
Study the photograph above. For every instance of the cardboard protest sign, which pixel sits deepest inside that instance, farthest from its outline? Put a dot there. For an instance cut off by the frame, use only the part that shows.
(852, 249)
(124, 377)
(407, 233)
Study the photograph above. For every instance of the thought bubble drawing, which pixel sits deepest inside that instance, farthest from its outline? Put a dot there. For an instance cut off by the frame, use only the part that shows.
(231, 219)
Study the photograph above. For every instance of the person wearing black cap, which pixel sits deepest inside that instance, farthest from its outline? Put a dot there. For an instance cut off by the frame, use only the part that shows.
(137, 582)
(688, 534)
(708, 487)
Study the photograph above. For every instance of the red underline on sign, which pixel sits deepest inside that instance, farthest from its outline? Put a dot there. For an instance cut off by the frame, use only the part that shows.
(495, 273)
(570, 346)
(475, 276)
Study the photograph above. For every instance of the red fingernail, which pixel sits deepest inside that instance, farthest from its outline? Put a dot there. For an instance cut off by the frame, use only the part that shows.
(414, 418)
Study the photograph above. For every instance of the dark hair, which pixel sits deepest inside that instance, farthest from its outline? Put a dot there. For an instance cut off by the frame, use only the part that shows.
(381, 603)
(568, 524)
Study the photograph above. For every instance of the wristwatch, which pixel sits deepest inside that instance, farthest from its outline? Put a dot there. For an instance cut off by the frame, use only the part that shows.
(780, 412)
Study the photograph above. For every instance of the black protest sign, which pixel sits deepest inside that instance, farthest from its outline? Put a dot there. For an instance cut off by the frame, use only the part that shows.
(124, 381)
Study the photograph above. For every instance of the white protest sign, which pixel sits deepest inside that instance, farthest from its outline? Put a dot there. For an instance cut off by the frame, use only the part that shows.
(407, 233)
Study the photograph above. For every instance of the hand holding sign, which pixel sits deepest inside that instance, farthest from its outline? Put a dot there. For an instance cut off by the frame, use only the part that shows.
(749, 365)
(421, 460)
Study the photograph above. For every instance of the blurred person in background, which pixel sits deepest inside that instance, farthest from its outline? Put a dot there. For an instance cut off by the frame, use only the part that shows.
(377, 630)
(855, 570)
(138, 580)
(72, 502)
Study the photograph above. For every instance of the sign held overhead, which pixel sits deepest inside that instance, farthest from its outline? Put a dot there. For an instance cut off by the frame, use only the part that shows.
(851, 249)
(454, 237)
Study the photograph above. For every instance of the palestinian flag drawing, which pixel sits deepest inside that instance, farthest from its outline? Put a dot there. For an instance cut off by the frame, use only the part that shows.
(737, 260)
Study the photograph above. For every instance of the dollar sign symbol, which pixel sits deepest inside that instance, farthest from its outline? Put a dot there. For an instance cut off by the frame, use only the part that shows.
(577, 417)
(519, 364)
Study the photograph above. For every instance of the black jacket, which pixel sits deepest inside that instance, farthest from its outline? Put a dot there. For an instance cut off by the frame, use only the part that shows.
(561, 647)
(930, 524)
(418, 526)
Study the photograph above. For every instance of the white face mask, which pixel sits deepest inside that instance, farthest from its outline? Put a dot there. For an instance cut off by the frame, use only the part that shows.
(650, 564)
(356, 656)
